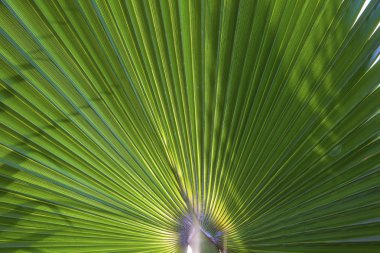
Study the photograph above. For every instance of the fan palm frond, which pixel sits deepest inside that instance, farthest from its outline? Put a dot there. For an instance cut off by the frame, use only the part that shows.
(149, 126)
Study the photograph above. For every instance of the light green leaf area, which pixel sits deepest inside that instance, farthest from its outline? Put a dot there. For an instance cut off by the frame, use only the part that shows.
(119, 120)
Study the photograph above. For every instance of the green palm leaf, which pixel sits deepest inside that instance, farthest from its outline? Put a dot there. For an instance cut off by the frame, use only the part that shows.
(149, 126)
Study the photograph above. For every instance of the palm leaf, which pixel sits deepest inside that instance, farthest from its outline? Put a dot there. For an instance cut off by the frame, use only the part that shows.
(125, 125)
